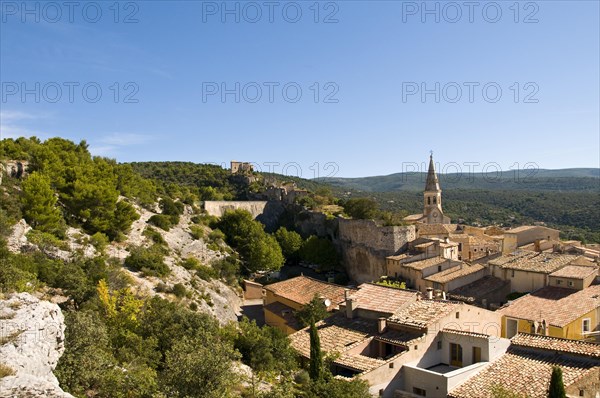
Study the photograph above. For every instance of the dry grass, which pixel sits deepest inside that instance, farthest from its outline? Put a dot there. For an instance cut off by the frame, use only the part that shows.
(5, 371)
(10, 338)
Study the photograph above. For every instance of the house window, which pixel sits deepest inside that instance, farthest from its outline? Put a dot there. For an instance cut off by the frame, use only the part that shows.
(559, 281)
(476, 354)
(581, 393)
(457, 315)
(513, 273)
(570, 283)
(439, 268)
(585, 325)
(439, 345)
(419, 391)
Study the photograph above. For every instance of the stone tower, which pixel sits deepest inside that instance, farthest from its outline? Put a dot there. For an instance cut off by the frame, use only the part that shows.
(432, 196)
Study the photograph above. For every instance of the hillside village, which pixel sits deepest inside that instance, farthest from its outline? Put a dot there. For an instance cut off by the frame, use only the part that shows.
(475, 304)
(427, 308)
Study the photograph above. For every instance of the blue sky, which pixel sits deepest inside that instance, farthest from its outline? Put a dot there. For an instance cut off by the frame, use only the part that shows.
(361, 68)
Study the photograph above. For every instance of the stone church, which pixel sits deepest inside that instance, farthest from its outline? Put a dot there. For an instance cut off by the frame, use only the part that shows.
(432, 201)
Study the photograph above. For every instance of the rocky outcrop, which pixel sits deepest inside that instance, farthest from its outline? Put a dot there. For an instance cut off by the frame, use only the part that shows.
(32, 341)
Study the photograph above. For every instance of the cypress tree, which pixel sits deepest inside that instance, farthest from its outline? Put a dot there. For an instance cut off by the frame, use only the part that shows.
(316, 359)
(557, 387)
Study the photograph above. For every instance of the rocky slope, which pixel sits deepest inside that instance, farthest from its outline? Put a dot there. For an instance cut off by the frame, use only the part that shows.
(32, 341)
(213, 297)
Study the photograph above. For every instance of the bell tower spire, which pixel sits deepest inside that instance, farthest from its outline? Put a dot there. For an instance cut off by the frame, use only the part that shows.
(432, 196)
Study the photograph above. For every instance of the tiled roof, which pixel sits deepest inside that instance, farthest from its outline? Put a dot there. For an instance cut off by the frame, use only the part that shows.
(523, 260)
(428, 262)
(558, 306)
(302, 289)
(360, 363)
(575, 272)
(527, 228)
(424, 312)
(472, 239)
(436, 229)
(556, 344)
(337, 334)
(478, 289)
(340, 334)
(383, 299)
(465, 333)
(454, 273)
(526, 372)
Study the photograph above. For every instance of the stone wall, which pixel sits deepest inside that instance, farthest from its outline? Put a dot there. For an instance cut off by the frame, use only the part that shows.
(267, 212)
(365, 245)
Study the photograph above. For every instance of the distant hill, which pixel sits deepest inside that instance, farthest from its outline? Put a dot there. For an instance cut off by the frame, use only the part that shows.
(582, 179)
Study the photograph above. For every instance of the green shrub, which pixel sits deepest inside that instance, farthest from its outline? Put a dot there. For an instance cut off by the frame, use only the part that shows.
(216, 236)
(190, 263)
(161, 221)
(179, 290)
(197, 232)
(46, 240)
(150, 261)
(154, 236)
(206, 273)
(99, 241)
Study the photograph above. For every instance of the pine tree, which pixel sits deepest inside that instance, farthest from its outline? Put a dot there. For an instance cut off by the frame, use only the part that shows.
(316, 358)
(39, 204)
(557, 388)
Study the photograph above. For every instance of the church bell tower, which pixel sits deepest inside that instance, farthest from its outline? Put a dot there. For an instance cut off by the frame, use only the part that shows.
(432, 196)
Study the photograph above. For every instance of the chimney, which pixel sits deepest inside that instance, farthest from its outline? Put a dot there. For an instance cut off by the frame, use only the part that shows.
(350, 305)
(443, 295)
(430, 293)
(381, 325)
(536, 246)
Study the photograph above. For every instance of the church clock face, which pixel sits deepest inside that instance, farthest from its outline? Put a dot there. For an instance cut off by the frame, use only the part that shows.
(434, 214)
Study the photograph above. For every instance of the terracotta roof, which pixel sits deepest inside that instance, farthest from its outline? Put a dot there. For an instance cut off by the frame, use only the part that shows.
(478, 289)
(527, 372)
(414, 217)
(527, 228)
(556, 344)
(424, 312)
(302, 289)
(454, 273)
(337, 334)
(558, 306)
(428, 262)
(436, 229)
(524, 260)
(473, 239)
(360, 363)
(398, 257)
(383, 299)
(465, 333)
(340, 334)
(575, 272)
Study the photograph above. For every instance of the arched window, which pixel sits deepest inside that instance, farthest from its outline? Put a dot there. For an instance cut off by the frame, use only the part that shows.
(434, 199)
(429, 200)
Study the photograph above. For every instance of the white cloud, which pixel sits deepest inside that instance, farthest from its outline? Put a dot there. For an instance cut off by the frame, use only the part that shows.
(113, 143)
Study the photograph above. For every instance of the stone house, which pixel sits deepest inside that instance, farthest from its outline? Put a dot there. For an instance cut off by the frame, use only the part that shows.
(555, 311)
(528, 271)
(375, 348)
(526, 367)
(283, 299)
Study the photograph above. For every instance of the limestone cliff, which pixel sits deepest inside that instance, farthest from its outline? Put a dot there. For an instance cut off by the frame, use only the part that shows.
(32, 341)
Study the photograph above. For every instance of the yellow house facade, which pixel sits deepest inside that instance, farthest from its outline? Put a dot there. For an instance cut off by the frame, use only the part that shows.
(556, 312)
